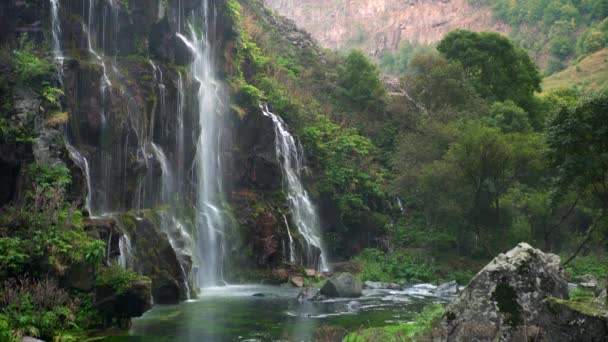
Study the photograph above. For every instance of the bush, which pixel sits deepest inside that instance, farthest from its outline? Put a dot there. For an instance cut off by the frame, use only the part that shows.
(594, 265)
(117, 278)
(29, 67)
(40, 308)
(397, 267)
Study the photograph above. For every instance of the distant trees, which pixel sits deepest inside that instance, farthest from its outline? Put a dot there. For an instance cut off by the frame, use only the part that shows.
(359, 84)
(498, 70)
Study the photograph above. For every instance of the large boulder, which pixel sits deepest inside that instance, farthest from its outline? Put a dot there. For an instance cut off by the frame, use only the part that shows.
(122, 304)
(582, 319)
(344, 285)
(505, 299)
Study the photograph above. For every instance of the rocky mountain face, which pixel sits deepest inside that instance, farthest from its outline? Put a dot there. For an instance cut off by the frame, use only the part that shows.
(381, 25)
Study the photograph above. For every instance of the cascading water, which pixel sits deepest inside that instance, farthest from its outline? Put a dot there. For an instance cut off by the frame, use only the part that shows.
(124, 246)
(56, 31)
(303, 212)
(292, 251)
(210, 216)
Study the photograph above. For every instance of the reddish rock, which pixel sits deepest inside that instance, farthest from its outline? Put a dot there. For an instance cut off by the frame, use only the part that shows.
(297, 281)
(310, 272)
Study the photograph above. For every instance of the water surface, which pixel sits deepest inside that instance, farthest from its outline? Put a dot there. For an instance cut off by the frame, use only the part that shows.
(233, 313)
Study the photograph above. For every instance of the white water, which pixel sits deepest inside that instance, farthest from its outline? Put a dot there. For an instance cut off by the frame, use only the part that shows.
(124, 246)
(292, 252)
(83, 164)
(303, 212)
(56, 30)
(207, 168)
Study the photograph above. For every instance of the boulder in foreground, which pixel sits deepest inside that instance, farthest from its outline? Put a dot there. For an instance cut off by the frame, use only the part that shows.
(344, 285)
(504, 302)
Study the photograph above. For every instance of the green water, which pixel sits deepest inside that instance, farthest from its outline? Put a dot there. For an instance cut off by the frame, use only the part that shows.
(234, 314)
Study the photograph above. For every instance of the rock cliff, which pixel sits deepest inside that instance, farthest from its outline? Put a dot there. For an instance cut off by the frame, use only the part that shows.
(381, 25)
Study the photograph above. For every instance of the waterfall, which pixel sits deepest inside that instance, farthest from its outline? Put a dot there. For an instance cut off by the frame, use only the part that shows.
(292, 252)
(207, 166)
(124, 246)
(56, 31)
(303, 212)
(83, 164)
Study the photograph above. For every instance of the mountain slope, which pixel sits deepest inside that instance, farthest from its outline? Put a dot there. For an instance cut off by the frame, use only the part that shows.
(381, 25)
(590, 73)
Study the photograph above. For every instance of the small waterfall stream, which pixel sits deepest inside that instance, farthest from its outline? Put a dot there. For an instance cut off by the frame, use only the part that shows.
(303, 212)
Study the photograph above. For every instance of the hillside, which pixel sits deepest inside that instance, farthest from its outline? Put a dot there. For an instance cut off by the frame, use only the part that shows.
(381, 25)
(590, 73)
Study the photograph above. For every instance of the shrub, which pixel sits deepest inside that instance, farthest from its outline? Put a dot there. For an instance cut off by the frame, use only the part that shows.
(29, 68)
(117, 278)
(39, 308)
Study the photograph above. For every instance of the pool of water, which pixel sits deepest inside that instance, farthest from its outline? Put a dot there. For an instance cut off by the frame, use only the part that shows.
(233, 313)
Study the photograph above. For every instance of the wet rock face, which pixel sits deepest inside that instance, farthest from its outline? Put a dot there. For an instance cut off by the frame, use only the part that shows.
(153, 256)
(505, 300)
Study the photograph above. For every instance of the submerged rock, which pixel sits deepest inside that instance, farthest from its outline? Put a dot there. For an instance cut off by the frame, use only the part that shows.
(505, 300)
(344, 285)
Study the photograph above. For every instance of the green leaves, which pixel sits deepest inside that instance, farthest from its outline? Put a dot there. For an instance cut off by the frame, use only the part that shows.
(499, 70)
(359, 85)
(29, 68)
(13, 256)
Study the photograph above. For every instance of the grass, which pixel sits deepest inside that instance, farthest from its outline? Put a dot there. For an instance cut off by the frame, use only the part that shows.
(590, 73)
(402, 332)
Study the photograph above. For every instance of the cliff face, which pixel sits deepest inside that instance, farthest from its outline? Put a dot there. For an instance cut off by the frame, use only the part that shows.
(381, 25)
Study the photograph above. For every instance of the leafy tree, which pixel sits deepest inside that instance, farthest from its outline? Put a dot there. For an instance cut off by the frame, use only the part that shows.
(499, 70)
(359, 84)
(476, 172)
(509, 117)
(578, 138)
(439, 88)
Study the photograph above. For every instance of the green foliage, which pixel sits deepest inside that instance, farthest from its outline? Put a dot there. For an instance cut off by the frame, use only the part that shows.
(117, 278)
(409, 331)
(553, 23)
(29, 67)
(12, 255)
(592, 264)
(499, 70)
(578, 137)
(509, 117)
(340, 153)
(359, 84)
(39, 308)
(394, 267)
(399, 62)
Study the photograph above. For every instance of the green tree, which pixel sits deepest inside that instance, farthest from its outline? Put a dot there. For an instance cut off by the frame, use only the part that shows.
(509, 117)
(475, 174)
(499, 70)
(578, 138)
(359, 84)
